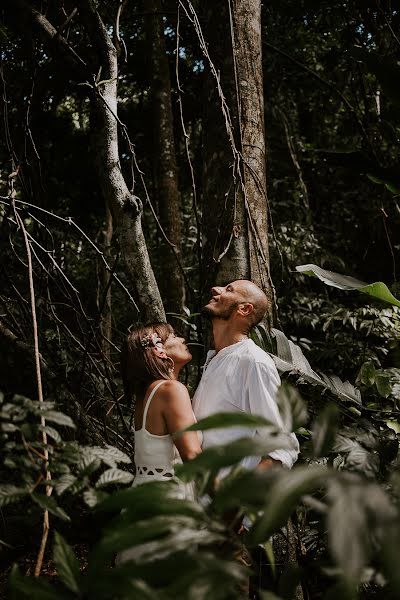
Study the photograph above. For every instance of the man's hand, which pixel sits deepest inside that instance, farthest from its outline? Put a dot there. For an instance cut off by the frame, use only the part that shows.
(268, 463)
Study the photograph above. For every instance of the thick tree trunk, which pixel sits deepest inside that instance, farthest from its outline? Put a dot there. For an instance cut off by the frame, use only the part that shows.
(126, 208)
(235, 201)
(169, 209)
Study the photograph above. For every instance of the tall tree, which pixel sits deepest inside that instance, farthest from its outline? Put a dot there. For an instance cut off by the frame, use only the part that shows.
(166, 180)
(235, 198)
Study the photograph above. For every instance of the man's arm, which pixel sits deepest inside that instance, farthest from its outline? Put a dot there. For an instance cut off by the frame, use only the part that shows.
(263, 384)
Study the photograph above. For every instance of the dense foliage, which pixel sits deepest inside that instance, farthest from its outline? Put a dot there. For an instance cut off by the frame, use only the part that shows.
(332, 130)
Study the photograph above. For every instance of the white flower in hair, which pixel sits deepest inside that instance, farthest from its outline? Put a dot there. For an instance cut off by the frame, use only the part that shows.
(152, 340)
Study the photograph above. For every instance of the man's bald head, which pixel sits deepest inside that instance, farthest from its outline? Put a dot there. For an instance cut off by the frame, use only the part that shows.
(252, 294)
(241, 297)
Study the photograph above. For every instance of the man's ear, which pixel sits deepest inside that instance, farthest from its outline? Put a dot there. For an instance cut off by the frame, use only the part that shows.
(159, 353)
(245, 309)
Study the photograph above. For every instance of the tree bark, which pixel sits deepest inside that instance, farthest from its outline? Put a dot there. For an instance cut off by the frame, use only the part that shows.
(105, 304)
(166, 179)
(235, 200)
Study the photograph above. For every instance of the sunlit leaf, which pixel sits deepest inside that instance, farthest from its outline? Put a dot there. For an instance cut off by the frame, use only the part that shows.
(377, 290)
(114, 476)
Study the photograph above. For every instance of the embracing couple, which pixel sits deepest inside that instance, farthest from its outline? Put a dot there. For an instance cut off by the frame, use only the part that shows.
(238, 377)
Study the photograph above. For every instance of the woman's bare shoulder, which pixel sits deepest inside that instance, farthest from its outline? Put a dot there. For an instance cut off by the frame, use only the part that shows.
(173, 389)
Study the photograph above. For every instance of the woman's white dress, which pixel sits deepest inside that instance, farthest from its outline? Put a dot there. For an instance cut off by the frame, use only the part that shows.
(155, 457)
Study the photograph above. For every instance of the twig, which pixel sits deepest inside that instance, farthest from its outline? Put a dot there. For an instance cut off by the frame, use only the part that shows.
(46, 523)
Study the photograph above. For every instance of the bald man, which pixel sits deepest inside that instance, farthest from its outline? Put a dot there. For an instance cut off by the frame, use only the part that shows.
(239, 376)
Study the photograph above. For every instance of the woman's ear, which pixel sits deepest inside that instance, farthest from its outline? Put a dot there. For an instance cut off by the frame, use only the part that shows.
(245, 309)
(158, 352)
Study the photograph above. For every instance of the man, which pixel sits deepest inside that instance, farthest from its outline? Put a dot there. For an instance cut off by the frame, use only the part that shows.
(238, 375)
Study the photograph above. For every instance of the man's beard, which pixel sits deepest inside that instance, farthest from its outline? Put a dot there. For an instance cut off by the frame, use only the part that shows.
(225, 315)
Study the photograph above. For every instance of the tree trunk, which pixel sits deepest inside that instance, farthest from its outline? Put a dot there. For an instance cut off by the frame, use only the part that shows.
(105, 306)
(126, 209)
(166, 180)
(235, 200)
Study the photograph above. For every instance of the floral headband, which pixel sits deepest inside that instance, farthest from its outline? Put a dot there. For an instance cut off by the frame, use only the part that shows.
(152, 340)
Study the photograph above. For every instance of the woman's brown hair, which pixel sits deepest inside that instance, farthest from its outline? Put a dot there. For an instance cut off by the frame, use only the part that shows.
(140, 365)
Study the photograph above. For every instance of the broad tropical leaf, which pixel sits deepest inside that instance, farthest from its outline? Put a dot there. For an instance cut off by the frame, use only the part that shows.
(283, 496)
(228, 419)
(67, 564)
(324, 430)
(32, 588)
(290, 358)
(377, 290)
(218, 457)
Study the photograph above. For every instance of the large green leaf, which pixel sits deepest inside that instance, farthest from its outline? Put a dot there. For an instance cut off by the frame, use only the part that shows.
(149, 500)
(228, 419)
(224, 455)
(157, 537)
(67, 564)
(377, 290)
(292, 407)
(324, 430)
(358, 517)
(247, 489)
(290, 358)
(283, 497)
(32, 588)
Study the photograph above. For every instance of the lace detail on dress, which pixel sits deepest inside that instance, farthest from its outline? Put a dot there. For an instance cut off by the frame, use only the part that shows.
(155, 471)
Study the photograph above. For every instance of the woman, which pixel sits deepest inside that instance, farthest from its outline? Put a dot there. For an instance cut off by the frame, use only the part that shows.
(152, 359)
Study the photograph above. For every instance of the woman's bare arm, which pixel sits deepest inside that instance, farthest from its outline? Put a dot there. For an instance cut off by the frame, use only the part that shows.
(178, 414)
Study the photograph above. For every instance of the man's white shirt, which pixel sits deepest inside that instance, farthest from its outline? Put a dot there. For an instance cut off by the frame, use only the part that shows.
(241, 378)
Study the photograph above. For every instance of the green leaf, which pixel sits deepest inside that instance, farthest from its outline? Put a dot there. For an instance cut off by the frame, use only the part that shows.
(32, 588)
(228, 419)
(383, 385)
(359, 514)
(290, 358)
(58, 417)
(93, 497)
(358, 458)
(114, 476)
(64, 482)
(324, 430)
(377, 290)
(157, 537)
(367, 374)
(110, 455)
(291, 407)
(283, 497)
(49, 503)
(247, 489)
(225, 455)
(51, 432)
(10, 493)
(67, 564)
